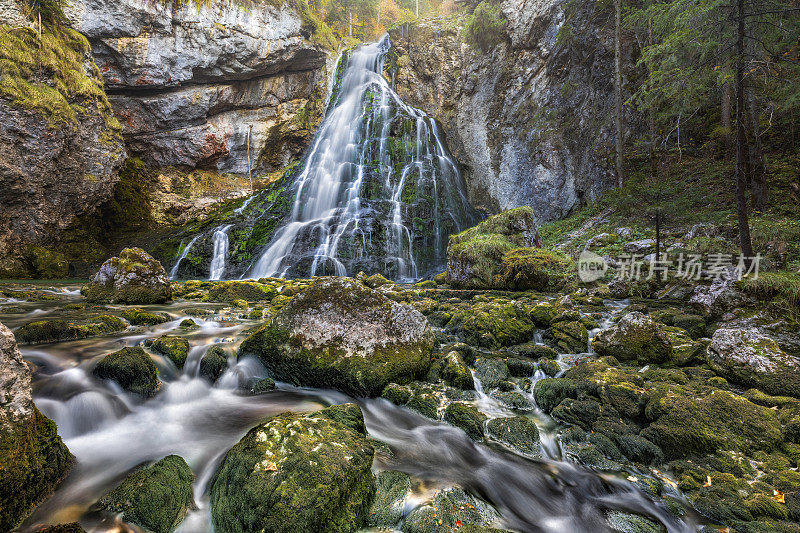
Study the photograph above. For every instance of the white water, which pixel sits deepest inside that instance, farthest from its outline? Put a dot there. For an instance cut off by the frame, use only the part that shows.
(221, 247)
(353, 145)
(239, 210)
(184, 253)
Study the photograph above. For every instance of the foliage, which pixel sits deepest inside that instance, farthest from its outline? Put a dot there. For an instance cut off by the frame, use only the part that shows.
(486, 26)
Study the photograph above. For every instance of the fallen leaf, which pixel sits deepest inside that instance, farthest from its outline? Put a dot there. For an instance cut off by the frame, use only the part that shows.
(708, 481)
(459, 523)
(778, 495)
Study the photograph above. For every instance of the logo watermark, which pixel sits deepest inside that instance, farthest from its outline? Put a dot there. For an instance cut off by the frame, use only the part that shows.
(689, 267)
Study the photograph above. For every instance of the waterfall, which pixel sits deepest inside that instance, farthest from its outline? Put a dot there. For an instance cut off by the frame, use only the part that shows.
(377, 191)
(181, 257)
(221, 246)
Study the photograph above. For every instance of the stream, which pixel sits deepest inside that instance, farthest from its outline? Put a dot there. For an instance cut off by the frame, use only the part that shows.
(110, 432)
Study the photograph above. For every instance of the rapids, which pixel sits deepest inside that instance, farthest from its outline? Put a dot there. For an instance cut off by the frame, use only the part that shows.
(110, 432)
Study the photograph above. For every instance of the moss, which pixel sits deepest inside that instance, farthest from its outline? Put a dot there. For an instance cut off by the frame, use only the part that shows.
(172, 347)
(451, 510)
(138, 317)
(491, 372)
(33, 460)
(263, 385)
(517, 432)
(72, 527)
(570, 337)
(187, 324)
(492, 325)
(694, 325)
(62, 330)
(268, 480)
(467, 417)
(132, 369)
(157, 497)
(537, 269)
(214, 363)
(453, 371)
(511, 399)
(133, 277)
(387, 508)
(248, 291)
(473, 263)
(548, 393)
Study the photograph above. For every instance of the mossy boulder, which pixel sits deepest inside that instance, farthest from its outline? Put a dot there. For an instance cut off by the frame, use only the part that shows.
(569, 336)
(492, 324)
(550, 392)
(519, 433)
(491, 372)
(172, 347)
(132, 369)
(62, 330)
(295, 472)
(338, 333)
(387, 508)
(640, 339)
(33, 459)
(451, 510)
(538, 269)
(72, 527)
(753, 359)
(139, 317)
(452, 370)
(133, 277)
(247, 291)
(214, 363)
(263, 385)
(416, 396)
(157, 497)
(467, 417)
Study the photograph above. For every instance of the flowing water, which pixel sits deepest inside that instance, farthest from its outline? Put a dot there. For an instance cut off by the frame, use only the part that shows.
(173, 273)
(221, 247)
(110, 432)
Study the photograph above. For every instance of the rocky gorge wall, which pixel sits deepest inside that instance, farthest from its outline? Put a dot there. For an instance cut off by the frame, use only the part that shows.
(529, 120)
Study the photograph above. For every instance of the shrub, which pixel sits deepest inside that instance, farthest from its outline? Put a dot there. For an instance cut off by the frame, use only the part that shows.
(486, 27)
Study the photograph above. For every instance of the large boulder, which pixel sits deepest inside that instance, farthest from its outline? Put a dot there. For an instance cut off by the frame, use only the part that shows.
(297, 472)
(157, 497)
(753, 359)
(132, 369)
(33, 459)
(133, 277)
(340, 334)
(638, 338)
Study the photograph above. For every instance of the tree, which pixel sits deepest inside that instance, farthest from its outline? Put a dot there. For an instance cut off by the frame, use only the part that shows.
(618, 100)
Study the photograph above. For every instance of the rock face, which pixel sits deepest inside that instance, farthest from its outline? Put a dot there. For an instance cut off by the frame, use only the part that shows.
(752, 359)
(157, 497)
(530, 119)
(61, 149)
(33, 460)
(191, 80)
(339, 333)
(297, 473)
(132, 278)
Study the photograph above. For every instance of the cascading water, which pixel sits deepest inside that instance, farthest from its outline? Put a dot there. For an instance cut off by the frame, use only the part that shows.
(378, 190)
(173, 273)
(221, 247)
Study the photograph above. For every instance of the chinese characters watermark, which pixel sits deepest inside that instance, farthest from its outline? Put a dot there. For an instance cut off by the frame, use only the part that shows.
(688, 267)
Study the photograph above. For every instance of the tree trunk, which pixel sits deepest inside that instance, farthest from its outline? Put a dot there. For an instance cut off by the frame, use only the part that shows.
(741, 138)
(658, 236)
(618, 91)
(727, 120)
(757, 167)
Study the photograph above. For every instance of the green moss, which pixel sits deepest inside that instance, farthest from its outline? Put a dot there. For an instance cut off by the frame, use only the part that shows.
(132, 369)
(548, 393)
(174, 348)
(263, 385)
(492, 325)
(33, 460)
(467, 417)
(294, 472)
(248, 291)
(518, 432)
(138, 317)
(62, 330)
(157, 497)
(535, 269)
(452, 370)
(387, 508)
(570, 337)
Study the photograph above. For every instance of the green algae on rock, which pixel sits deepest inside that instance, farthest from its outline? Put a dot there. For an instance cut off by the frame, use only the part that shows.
(33, 459)
(139, 317)
(214, 363)
(338, 333)
(133, 277)
(63, 330)
(132, 369)
(157, 497)
(295, 472)
(467, 417)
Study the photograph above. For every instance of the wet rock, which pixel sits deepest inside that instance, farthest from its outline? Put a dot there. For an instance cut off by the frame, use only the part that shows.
(449, 508)
(491, 372)
(62, 330)
(492, 324)
(549, 366)
(170, 346)
(549, 392)
(247, 291)
(512, 399)
(694, 325)
(452, 370)
(569, 337)
(387, 508)
(34, 459)
(533, 351)
(188, 324)
(637, 337)
(132, 369)
(467, 417)
(157, 497)
(339, 333)
(542, 314)
(72, 527)
(416, 396)
(138, 317)
(133, 277)
(266, 481)
(753, 359)
(214, 363)
(263, 385)
(519, 433)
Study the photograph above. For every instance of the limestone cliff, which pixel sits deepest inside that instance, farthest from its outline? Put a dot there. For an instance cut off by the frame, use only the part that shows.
(529, 119)
(191, 81)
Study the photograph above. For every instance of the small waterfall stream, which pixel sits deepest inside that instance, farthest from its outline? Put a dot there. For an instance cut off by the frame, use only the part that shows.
(221, 247)
(173, 273)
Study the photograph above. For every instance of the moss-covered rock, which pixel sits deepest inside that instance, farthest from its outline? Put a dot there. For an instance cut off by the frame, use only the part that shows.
(214, 363)
(519, 433)
(387, 508)
(452, 370)
(467, 417)
(752, 359)
(491, 372)
(157, 497)
(550, 392)
(172, 347)
(132, 369)
(138, 317)
(33, 459)
(263, 385)
(416, 396)
(72, 527)
(451, 510)
(62, 330)
(639, 338)
(569, 337)
(537, 269)
(492, 324)
(247, 291)
(295, 473)
(133, 277)
(338, 333)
